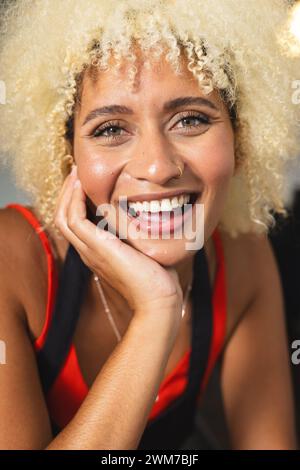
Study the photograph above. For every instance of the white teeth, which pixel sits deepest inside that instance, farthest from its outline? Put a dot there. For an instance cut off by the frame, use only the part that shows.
(139, 206)
(174, 202)
(166, 204)
(144, 206)
(154, 206)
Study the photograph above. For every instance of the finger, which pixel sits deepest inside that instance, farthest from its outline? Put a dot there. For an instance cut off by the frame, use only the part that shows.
(73, 239)
(65, 194)
(61, 220)
(62, 191)
(101, 244)
(77, 221)
(104, 253)
(76, 210)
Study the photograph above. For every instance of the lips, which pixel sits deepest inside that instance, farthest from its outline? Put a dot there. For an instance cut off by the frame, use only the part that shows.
(159, 196)
(163, 221)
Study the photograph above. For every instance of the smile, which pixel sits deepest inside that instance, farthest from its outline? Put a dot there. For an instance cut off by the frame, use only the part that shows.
(160, 216)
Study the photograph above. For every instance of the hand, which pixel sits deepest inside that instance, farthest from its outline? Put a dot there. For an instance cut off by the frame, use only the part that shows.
(145, 284)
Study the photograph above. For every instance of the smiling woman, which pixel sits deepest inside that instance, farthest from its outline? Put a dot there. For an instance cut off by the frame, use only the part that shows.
(178, 131)
(158, 118)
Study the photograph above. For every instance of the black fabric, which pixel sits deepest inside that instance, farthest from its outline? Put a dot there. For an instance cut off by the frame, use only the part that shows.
(72, 285)
(71, 289)
(171, 427)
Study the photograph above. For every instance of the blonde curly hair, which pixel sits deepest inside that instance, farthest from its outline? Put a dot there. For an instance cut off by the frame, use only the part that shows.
(231, 46)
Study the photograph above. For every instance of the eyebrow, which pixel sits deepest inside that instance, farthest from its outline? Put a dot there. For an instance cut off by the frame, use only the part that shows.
(168, 106)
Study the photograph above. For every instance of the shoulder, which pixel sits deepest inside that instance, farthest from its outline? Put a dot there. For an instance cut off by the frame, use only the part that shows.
(246, 255)
(250, 268)
(18, 238)
(255, 363)
(15, 236)
(22, 258)
(20, 285)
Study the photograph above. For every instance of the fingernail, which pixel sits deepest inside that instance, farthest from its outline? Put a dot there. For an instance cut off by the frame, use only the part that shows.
(77, 183)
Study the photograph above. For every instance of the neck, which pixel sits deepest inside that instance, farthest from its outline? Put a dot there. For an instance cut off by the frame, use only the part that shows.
(184, 270)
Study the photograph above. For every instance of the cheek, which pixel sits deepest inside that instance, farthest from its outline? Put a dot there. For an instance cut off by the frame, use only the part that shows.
(97, 176)
(215, 160)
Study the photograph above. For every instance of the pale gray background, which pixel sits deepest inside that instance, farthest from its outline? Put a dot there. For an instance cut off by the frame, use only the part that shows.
(8, 191)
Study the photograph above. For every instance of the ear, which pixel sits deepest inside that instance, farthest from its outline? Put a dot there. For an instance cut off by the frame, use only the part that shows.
(68, 161)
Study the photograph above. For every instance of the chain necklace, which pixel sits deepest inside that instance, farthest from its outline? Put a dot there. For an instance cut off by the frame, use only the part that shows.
(108, 312)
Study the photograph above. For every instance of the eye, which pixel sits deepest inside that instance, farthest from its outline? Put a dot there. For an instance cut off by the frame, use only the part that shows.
(194, 120)
(112, 130)
(109, 130)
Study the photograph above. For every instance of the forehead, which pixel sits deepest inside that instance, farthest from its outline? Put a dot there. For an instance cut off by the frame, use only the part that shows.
(152, 83)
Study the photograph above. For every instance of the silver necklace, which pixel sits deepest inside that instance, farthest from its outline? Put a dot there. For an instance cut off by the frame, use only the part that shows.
(108, 312)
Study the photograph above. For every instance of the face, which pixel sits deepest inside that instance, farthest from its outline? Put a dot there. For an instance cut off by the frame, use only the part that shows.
(134, 149)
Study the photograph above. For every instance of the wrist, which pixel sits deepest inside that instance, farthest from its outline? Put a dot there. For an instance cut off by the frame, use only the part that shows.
(168, 306)
(163, 322)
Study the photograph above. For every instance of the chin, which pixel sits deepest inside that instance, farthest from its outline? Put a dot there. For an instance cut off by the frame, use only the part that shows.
(165, 252)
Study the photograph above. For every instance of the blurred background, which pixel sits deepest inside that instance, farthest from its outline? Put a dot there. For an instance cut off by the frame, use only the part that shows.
(8, 190)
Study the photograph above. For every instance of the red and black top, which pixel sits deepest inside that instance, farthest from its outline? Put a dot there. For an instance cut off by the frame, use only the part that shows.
(172, 417)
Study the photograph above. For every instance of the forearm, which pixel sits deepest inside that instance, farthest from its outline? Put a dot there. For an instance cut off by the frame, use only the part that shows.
(115, 411)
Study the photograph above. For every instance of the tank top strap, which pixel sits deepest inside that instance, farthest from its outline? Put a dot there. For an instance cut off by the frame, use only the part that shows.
(52, 275)
(70, 294)
(65, 296)
(202, 321)
(219, 309)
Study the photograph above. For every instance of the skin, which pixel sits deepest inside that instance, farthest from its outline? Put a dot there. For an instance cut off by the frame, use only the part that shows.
(255, 362)
(148, 145)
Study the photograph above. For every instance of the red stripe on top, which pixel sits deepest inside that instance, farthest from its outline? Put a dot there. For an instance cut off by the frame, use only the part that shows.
(219, 303)
(175, 383)
(70, 389)
(51, 270)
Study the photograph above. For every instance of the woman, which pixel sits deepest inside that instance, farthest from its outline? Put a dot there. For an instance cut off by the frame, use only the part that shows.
(163, 104)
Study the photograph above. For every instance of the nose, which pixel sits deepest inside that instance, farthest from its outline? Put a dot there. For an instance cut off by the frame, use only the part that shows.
(155, 162)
